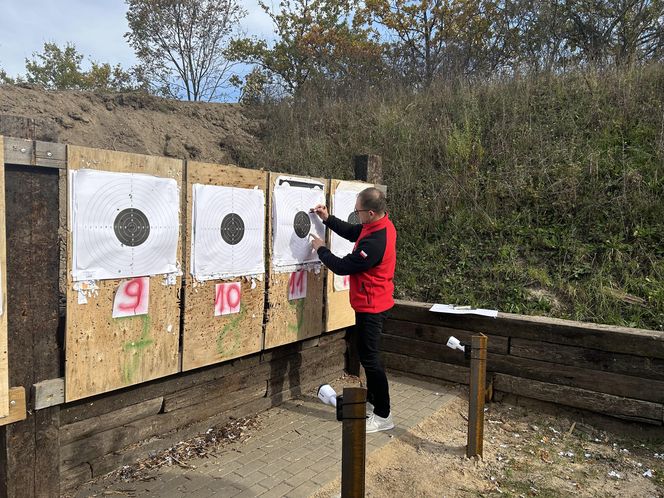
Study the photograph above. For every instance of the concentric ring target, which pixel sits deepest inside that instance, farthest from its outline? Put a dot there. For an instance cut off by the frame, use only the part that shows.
(124, 224)
(292, 223)
(232, 229)
(353, 218)
(131, 227)
(229, 232)
(344, 199)
(301, 224)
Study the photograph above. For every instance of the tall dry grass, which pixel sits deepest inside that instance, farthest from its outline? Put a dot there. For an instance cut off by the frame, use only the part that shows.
(537, 195)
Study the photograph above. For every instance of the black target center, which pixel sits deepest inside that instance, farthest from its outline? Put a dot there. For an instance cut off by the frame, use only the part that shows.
(301, 224)
(232, 229)
(131, 227)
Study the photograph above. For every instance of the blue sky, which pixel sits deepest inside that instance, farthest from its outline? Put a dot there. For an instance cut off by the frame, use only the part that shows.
(96, 27)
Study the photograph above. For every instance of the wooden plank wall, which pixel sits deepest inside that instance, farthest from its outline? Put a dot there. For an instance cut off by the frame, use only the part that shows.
(58, 447)
(29, 462)
(101, 351)
(291, 321)
(616, 371)
(338, 313)
(101, 434)
(4, 367)
(208, 339)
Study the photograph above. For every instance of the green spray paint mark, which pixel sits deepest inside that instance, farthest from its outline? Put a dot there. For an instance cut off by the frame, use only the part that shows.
(136, 349)
(299, 311)
(231, 327)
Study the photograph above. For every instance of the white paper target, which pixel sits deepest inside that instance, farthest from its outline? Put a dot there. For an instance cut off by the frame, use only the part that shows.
(123, 224)
(229, 232)
(343, 207)
(292, 223)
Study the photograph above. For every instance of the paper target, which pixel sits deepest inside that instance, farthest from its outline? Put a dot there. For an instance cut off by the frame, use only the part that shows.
(292, 223)
(229, 232)
(353, 218)
(132, 227)
(343, 207)
(123, 224)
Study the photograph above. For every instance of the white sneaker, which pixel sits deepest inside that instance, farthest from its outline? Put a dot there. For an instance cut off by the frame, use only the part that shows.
(376, 423)
(370, 408)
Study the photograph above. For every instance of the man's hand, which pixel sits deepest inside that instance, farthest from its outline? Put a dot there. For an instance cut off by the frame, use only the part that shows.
(316, 242)
(321, 211)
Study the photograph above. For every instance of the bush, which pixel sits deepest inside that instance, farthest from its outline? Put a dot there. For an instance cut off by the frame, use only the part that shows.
(536, 195)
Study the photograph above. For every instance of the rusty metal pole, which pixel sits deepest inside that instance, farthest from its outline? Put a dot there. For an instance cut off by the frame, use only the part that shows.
(354, 439)
(477, 395)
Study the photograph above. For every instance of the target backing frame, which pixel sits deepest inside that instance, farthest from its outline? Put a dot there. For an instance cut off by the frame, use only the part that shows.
(102, 353)
(208, 339)
(291, 321)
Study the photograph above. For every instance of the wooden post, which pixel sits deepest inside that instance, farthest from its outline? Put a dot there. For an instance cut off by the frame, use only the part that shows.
(368, 168)
(477, 395)
(30, 449)
(354, 439)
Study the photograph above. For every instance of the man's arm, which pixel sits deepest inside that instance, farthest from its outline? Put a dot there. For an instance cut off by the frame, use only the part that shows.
(346, 230)
(368, 254)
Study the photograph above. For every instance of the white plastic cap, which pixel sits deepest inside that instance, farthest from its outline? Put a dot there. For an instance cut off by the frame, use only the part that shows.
(455, 343)
(327, 395)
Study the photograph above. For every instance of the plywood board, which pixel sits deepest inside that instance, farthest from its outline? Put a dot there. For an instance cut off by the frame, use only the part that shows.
(17, 406)
(209, 339)
(291, 321)
(4, 367)
(338, 312)
(105, 353)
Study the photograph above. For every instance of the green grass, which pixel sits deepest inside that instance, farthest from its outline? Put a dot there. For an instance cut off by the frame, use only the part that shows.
(538, 195)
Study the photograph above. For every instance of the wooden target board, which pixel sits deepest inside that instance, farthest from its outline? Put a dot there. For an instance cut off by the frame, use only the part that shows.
(105, 353)
(292, 320)
(4, 367)
(338, 312)
(209, 336)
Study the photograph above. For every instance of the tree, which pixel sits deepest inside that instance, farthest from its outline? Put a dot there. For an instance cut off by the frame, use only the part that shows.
(316, 40)
(182, 44)
(59, 68)
(429, 38)
(55, 68)
(5, 79)
(103, 76)
(615, 31)
(255, 87)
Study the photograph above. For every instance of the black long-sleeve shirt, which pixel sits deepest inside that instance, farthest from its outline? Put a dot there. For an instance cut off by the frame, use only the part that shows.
(368, 253)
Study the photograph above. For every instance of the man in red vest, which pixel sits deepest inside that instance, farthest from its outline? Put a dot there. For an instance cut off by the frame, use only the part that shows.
(371, 269)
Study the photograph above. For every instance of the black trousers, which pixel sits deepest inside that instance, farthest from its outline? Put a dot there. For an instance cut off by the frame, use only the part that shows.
(368, 328)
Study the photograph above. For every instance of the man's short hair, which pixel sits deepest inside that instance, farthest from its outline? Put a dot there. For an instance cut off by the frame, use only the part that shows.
(373, 199)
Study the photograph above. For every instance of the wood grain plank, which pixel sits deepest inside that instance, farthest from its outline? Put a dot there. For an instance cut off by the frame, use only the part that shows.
(616, 406)
(605, 361)
(209, 339)
(4, 356)
(596, 336)
(440, 335)
(291, 321)
(99, 354)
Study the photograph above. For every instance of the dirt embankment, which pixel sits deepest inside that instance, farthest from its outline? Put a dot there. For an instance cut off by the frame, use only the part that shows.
(132, 122)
